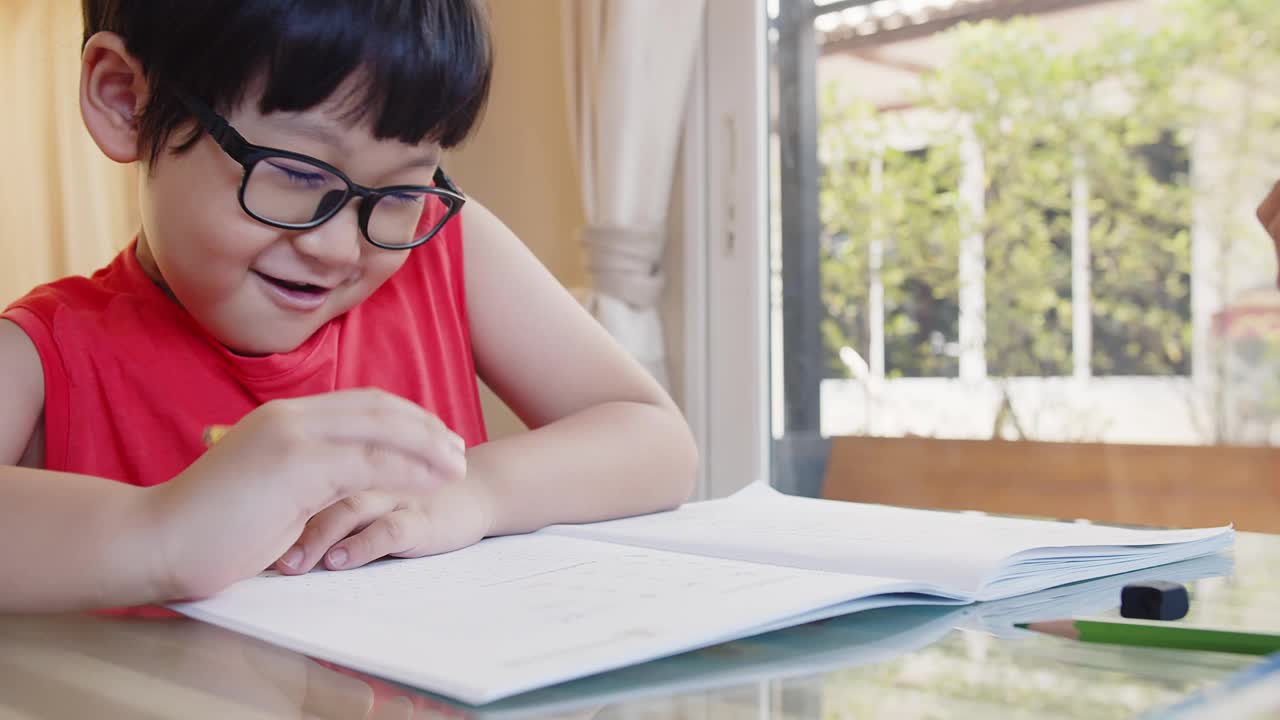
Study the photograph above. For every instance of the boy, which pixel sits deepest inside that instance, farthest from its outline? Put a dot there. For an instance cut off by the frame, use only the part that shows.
(306, 272)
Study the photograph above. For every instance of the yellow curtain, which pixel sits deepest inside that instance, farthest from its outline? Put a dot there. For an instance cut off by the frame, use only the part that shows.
(64, 207)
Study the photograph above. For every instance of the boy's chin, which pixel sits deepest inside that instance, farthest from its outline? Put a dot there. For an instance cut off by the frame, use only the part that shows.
(268, 340)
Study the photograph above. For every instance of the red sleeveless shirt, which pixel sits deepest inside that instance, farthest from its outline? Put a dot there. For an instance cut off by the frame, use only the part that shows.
(131, 381)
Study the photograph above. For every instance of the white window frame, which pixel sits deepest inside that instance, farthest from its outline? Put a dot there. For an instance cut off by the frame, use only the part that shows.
(727, 287)
(726, 201)
(725, 177)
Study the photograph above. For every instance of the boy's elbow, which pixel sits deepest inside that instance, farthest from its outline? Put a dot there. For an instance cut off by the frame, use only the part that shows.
(692, 459)
(685, 457)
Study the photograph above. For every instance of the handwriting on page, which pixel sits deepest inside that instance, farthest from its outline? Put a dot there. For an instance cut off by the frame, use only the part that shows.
(520, 607)
(558, 584)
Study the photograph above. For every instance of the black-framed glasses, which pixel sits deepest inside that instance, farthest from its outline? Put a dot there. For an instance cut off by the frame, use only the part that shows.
(293, 191)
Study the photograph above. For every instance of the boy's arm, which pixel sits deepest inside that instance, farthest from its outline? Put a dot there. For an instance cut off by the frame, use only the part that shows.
(22, 386)
(66, 541)
(72, 542)
(606, 439)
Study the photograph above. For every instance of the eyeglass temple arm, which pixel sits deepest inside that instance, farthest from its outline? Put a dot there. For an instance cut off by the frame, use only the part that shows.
(443, 181)
(217, 127)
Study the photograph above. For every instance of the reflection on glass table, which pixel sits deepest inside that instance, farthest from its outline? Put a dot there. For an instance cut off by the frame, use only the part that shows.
(906, 662)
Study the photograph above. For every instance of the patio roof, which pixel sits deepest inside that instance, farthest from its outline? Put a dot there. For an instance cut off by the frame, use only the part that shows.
(855, 25)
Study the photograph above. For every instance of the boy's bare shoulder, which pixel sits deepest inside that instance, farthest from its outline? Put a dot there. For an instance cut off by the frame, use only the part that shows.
(22, 386)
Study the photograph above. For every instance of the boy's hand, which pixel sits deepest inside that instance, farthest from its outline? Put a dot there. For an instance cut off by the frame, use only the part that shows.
(362, 528)
(1269, 216)
(238, 508)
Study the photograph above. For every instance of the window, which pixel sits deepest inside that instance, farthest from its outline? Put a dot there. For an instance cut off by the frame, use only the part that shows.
(1026, 221)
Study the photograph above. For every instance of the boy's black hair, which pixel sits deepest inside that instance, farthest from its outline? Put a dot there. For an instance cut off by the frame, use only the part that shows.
(428, 63)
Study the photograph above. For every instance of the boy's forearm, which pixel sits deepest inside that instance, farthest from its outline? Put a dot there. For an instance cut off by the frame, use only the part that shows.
(611, 460)
(72, 542)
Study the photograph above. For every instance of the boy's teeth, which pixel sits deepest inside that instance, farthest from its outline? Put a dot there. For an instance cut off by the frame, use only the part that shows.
(305, 287)
(291, 285)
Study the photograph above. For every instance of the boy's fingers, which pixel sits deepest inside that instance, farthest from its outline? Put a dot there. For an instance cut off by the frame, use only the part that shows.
(348, 515)
(392, 533)
(327, 472)
(326, 413)
(450, 459)
(378, 418)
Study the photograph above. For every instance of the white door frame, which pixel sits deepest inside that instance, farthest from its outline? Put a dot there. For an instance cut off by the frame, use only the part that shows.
(725, 251)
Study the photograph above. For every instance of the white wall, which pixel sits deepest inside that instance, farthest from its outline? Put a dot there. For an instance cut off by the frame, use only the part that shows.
(520, 163)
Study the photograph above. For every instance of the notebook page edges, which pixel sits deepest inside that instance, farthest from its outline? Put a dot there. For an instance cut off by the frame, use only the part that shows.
(954, 554)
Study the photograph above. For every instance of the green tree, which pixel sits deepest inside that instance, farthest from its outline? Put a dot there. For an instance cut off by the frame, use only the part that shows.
(907, 201)
(1120, 111)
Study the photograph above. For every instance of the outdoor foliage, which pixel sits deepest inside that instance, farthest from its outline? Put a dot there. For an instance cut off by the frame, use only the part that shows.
(1121, 111)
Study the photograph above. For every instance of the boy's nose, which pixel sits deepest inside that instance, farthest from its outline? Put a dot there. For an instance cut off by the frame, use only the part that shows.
(327, 203)
(337, 242)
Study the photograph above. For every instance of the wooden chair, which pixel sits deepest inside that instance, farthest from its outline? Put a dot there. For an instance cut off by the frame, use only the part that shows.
(1170, 486)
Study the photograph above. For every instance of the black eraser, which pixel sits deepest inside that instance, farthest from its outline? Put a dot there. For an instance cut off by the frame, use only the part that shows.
(1156, 600)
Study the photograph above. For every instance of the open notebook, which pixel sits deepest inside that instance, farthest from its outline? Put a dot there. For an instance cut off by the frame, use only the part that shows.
(844, 642)
(512, 614)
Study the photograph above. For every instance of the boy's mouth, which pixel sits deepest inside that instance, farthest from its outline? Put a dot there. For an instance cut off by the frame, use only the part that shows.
(291, 285)
(295, 295)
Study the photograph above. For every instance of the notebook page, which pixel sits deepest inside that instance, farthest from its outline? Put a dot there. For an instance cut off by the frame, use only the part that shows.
(955, 553)
(846, 642)
(516, 613)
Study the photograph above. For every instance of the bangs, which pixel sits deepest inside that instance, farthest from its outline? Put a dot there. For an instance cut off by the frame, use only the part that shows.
(419, 69)
(423, 68)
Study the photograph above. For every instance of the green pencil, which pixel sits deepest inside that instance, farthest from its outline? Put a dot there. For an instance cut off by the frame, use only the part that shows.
(1164, 635)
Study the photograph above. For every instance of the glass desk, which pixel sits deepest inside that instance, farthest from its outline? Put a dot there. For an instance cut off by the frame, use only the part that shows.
(918, 662)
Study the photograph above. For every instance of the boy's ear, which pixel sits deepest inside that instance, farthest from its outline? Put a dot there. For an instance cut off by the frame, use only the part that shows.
(113, 92)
